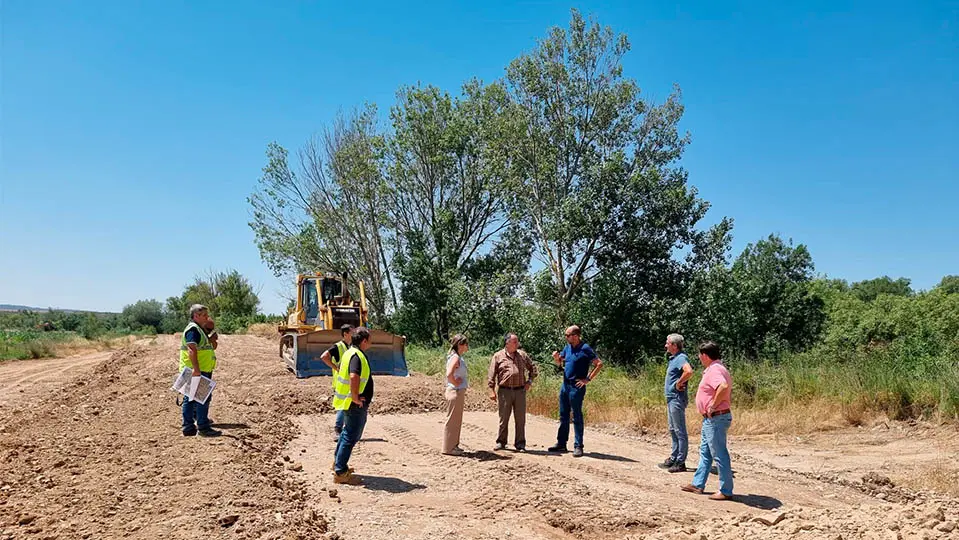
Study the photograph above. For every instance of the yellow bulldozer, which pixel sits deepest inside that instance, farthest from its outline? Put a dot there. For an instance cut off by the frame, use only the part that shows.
(323, 305)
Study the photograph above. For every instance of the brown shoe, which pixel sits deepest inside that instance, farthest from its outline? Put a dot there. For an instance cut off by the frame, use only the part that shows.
(333, 467)
(689, 488)
(346, 478)
(718, 496)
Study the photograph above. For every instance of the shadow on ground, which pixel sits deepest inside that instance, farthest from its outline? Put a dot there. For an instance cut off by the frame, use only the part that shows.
(388, 484)
(758, 501)
(609, 457)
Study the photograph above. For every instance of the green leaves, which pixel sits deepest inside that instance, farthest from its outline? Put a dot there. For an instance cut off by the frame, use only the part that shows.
(229, 296)
(564, 161)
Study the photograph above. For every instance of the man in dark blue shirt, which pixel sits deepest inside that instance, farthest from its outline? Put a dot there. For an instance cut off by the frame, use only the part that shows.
(576, 359)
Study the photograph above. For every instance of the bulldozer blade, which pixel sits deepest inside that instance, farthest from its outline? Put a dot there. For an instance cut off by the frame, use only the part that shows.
(386, 355)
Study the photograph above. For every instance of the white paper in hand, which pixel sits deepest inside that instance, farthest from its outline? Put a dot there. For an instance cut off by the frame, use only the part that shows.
(194, 388)
(194, 383)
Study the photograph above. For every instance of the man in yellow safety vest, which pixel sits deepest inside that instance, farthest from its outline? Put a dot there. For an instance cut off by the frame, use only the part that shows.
(331, 357)
(196, 353)
(352, 394)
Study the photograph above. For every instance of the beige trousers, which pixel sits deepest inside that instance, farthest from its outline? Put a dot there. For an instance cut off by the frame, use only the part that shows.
(512, 401)
(454, 418)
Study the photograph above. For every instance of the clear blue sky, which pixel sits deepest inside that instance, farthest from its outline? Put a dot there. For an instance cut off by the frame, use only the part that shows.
(132, 132)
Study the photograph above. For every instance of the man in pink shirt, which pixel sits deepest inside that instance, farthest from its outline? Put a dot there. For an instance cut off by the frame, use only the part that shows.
(712, 401)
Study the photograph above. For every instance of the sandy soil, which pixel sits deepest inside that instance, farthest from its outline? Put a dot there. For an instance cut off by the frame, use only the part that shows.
(90, 448)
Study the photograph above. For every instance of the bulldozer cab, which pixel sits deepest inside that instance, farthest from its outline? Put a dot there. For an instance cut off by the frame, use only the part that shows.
(325, 302)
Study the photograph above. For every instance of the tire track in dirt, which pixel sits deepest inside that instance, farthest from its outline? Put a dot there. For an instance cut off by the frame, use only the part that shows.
(491, 487)
(615, 491)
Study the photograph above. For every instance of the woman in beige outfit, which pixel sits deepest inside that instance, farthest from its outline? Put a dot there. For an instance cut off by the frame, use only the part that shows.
(456, 385)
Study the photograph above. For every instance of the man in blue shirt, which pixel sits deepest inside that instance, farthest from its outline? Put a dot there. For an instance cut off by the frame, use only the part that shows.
(576, 359)
(678, 371)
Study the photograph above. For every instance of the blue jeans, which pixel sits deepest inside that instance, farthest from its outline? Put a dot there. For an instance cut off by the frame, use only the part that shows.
(676, 415)
(713, 447)
(571, 402)
(351, 434)
(338, 423)
(196, 415)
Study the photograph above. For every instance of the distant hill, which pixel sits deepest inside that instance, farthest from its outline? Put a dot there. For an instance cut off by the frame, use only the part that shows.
(16, 307)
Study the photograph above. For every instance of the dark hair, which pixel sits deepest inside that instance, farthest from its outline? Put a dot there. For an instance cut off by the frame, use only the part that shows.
(456, 341)
(346, 328)
(360, 333)
(710, 349)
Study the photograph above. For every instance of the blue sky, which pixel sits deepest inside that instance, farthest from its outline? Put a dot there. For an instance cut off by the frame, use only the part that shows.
(132, 132)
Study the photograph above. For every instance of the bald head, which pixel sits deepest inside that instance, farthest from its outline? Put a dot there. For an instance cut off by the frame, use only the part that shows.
(511, 342)
(573, 335)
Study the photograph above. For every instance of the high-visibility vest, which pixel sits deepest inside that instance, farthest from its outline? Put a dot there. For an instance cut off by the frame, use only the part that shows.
(204, 351)
(342, 397)
(341, 348)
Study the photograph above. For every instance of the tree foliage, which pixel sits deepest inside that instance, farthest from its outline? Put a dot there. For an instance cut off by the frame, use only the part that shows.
(870, 289)
(596, 176)
(144, 314)
(228, 295)
(329, 212)
(949, 285)
(556, 195)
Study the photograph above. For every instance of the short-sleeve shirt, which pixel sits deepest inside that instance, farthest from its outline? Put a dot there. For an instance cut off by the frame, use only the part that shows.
(577, 361)
(674, 370)
(713, 376)
(356, 366)
(193, 336)
(334, 354)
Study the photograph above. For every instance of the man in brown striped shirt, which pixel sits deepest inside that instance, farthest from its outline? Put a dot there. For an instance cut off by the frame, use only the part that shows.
(512, 371)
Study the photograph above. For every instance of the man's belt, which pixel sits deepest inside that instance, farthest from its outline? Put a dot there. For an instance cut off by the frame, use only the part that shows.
(523, 387)
(718, 413)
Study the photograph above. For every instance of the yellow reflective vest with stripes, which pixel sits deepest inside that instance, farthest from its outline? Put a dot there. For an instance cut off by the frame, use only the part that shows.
(341, 347)
(204, 351)
(342, 397)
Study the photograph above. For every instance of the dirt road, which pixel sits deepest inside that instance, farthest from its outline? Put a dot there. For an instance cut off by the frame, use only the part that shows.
(101, 457)
(27, 379)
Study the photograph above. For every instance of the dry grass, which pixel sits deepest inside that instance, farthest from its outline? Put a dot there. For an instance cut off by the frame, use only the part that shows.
(801, 417)
(264, 330)
(795, 418)
(80, 345)
(939, 476)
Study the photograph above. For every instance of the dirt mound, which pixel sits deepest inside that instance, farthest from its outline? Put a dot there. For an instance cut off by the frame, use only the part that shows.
(104, 458)
(418, 394)
(264, 330)
(927, 519)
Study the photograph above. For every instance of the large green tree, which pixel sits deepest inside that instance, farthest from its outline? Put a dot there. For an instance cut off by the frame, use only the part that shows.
(446, 160)
(596, 174)
(230, 297)
(144, 313)
(774, 310)
(328, 212)
(413, 211)
(596, 178)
